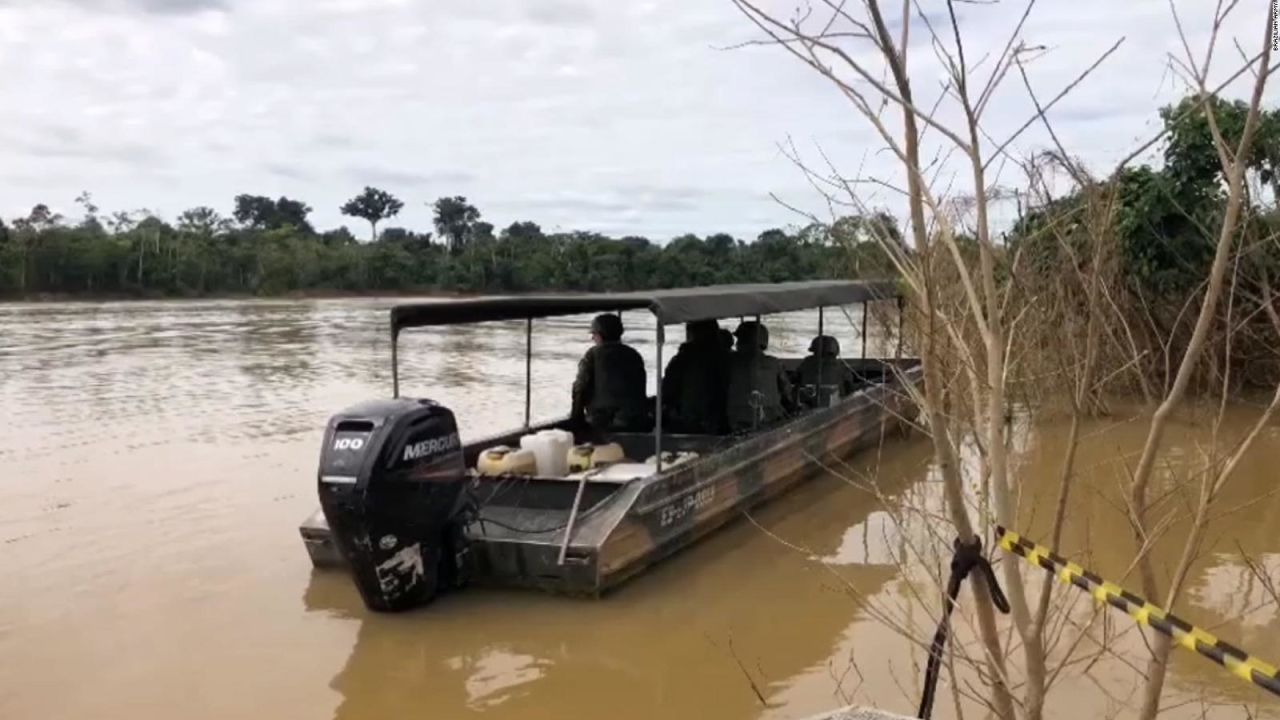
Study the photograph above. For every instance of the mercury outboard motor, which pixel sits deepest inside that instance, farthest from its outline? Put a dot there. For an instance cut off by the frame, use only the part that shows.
(390, 483)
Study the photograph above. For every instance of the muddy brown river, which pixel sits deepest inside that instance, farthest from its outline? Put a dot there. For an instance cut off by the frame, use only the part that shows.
(157, 457)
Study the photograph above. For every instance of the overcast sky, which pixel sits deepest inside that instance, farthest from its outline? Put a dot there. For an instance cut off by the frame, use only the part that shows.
(627, 117)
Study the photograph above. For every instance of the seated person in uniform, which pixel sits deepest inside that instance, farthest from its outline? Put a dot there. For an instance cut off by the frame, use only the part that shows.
(695, 382)
(823, 375)
(759, 391)
(609, 392)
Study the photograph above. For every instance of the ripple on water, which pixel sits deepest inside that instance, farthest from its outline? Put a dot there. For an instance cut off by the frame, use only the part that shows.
(158, 456)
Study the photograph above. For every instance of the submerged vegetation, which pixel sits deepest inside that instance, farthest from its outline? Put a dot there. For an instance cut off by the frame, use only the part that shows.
(1157, 279)
(1147, 234)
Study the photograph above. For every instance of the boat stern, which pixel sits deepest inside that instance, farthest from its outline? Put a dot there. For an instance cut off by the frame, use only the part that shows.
(516, 563)
(502, 559)
(319, 542)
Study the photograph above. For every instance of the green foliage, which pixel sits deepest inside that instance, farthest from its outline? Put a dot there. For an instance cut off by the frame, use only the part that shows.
(262, 213)
(454, 220)
(1191, 159)
(373, 205)
(202, 221)
(271, 249)
(1165, 219)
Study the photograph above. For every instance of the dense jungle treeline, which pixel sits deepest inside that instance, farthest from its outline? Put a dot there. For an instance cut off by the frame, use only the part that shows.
(269, 247)
(1158, 218)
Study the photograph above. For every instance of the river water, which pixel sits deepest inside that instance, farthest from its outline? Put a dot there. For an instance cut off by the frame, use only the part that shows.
(157, 459)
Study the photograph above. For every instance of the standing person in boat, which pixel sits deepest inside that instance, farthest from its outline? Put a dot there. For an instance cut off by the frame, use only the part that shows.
(823, 374)
(695, 383)
(759, 391)
(609, 392)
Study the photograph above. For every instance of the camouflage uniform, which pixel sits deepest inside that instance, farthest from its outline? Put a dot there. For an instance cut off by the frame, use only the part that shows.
(759, 391)
(609, 391)
(829, 372)
(695, 384)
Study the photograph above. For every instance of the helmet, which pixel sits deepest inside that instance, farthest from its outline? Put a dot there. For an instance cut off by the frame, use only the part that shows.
(825, 345)
(702, 331)
(607, 326)
(752, 333)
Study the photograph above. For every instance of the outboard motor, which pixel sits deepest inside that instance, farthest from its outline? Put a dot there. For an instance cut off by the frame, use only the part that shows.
(390, 483)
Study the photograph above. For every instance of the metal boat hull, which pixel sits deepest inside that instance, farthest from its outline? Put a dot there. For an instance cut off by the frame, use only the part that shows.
(624, 528)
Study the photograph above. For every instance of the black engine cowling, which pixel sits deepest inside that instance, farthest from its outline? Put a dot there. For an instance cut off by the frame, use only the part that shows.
(390, 483)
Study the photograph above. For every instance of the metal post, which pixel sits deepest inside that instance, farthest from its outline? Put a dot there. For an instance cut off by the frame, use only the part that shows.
(395, 365)
(657, 420)
(864, 329)
(573, 515)
(898, 353)
(528, 369)
(817, 386)
(756, 395)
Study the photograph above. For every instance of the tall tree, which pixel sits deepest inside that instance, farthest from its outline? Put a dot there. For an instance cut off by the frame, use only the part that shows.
(721, 245)
(201, 220)
(90, 222)
(253, 211)
(373, 205)
(292, 213)
(39, 219)
(454, 218)
(522, 231)
(258, 212)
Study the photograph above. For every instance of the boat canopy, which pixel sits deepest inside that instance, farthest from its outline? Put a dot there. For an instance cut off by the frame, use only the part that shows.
(668, 306)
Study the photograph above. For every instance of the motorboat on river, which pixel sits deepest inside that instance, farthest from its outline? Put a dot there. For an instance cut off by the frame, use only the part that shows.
(409, 509)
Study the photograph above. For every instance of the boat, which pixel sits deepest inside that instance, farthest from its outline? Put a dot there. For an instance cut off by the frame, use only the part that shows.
(405, 509)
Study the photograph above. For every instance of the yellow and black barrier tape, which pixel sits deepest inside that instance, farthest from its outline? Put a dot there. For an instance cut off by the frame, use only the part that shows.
(1238, 662)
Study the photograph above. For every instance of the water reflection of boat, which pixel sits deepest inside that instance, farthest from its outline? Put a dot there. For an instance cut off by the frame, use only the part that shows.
(660, 649)
(587, 533)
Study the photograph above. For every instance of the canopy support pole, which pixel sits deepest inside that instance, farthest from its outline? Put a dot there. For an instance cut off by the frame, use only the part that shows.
(528, 369)
(817, 386)
(864, 329)
(395, 365)
(657, 419)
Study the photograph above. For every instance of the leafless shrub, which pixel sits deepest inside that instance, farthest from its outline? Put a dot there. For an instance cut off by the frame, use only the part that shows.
(1002, 341)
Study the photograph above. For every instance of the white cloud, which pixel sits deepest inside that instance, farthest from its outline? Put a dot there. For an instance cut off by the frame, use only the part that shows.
(619, 117)
(164, 7)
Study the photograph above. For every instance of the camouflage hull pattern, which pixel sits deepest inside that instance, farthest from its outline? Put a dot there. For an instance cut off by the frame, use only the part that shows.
(622, 529)
(674, 511)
